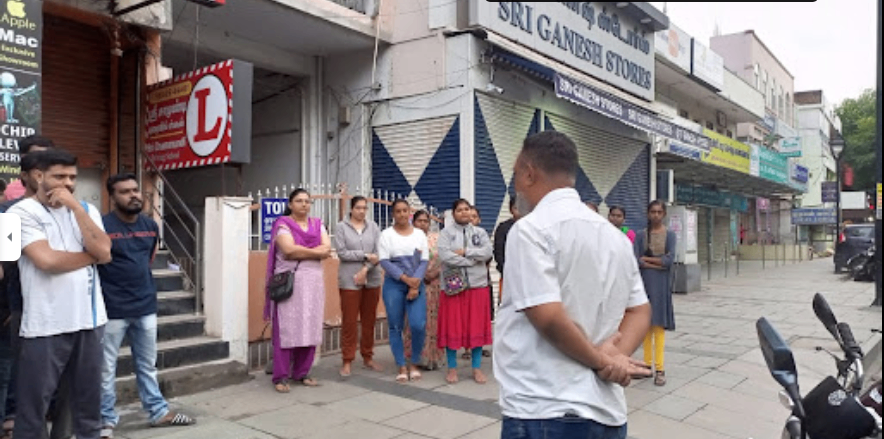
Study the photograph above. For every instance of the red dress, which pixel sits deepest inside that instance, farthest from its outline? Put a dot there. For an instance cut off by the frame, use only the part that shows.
(465, 319)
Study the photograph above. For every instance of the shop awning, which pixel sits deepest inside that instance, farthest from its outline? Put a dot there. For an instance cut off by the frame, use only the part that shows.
(586, 91)
(696, 172)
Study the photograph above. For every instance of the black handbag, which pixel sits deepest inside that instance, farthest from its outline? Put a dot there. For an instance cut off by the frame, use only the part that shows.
(282, 285)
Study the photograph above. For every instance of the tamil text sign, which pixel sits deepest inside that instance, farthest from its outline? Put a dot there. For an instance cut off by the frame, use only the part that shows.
(21, 32)
(190, 118)
(588, 36)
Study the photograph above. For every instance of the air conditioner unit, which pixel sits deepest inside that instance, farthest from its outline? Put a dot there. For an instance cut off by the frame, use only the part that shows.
(666, 185)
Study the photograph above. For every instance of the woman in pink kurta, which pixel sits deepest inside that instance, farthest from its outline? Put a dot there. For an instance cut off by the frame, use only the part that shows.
(299, 243)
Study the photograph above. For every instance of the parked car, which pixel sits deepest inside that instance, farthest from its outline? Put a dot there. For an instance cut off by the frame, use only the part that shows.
(855, 239)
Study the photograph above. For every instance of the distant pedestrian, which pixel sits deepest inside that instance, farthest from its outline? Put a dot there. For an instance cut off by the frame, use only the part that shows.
(130, 296)
(464, 314)
(655, 251)
(359, 280)
(299, 244)
(573, 308)
(404, 255)
(431, 356)
(617, 217)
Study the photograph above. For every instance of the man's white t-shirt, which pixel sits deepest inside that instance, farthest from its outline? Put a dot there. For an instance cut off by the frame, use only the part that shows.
(562, 252)
(57, 303)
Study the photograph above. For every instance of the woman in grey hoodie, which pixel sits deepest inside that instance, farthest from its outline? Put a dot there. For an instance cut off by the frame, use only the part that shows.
(464, 309)
(359, 280)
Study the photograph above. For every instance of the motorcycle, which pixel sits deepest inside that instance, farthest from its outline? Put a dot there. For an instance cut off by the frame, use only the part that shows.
(863, 265)
(838, 407)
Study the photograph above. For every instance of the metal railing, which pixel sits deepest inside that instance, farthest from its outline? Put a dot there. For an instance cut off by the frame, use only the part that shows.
(331, 203)
(172, 207)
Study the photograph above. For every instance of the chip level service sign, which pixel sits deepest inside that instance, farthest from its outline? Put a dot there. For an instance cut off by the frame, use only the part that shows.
(190, 118)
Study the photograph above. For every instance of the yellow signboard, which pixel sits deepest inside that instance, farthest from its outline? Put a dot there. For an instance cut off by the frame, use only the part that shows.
(727, 153)
(878, 203)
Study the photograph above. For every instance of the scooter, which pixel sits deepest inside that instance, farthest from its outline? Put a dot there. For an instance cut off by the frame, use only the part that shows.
(837, 408)
(864, 265)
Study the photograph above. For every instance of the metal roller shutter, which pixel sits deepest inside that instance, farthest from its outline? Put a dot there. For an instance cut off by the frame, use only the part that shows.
(703, 234)
(419, 160)
(722, 234)
(76, 90)
(615, 168)
(500, 129)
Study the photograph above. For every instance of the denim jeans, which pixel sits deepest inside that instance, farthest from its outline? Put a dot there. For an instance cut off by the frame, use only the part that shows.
(397, 307)
(568, 427)
(142, 333)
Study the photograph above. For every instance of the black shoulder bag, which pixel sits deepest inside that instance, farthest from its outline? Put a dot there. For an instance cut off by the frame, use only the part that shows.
(282, 285)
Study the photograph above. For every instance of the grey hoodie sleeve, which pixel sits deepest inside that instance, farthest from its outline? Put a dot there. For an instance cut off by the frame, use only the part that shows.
(344, 253)
(485, 251)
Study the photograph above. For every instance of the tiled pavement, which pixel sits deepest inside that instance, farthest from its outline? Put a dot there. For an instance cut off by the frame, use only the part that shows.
(718, 385)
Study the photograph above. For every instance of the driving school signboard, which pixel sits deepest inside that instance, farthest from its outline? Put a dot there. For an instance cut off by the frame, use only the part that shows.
(190, 118)
(271, 209)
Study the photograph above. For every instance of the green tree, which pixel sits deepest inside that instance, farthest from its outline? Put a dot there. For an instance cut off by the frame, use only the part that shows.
(858, 118)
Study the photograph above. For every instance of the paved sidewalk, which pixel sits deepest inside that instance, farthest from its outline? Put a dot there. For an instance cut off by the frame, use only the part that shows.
(718, 385)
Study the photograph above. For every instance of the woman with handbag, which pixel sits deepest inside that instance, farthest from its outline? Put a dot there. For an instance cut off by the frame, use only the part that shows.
(431, 356)
(295, 298)
(404, 256)
(359, 281)
(464, 309)
(655, 251)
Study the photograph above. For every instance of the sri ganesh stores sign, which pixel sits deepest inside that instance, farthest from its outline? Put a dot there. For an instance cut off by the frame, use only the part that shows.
(589, 36)
(190, 118)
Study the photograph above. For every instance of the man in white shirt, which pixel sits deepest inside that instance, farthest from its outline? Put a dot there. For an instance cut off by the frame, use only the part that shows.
(63, 315)
(574, 307)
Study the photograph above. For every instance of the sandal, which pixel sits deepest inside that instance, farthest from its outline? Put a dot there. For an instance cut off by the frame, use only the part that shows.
(174, 420)
(308, 382)
(107, 432)
(414, 375)
(282, 387)
(402, 378)
(660, 378)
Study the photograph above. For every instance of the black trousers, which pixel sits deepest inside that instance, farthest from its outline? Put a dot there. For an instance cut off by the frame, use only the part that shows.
(51, 363)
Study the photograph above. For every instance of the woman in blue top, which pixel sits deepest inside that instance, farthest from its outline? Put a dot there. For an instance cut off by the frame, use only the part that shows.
(655, 251)
(404, 255)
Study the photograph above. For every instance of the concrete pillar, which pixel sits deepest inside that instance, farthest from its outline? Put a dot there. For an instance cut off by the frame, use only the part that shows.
(226, 283)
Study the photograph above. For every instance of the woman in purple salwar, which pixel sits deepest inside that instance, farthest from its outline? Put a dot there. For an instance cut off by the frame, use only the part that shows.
(298, 243)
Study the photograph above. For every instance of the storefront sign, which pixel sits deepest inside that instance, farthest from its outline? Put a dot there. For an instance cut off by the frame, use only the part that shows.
(691, 230)
(588, 36)
(271, 209)
(790, 147)
(762, 204)
(685, 151)
(800, 174)
(829, 191)
(707, 65)
(727, 153)
(190, 118)
(21, 40)
(770, 122)
(769, 165)
(590, 97)
(814, 216)
(703, 196)
(878, 203)
(674, 45)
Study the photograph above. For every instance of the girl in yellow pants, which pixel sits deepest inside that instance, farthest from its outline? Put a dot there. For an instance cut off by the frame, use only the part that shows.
(655, 249)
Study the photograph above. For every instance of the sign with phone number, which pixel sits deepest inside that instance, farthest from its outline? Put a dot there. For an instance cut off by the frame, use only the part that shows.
(271, 209)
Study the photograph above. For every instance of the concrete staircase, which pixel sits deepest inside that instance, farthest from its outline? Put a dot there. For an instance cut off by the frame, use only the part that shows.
(188, 361)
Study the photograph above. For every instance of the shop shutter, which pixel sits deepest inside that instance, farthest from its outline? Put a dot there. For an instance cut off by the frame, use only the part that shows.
(419, 160)
(703, 218)
(722, 234)
(616, 168)
(500, 129)
(76, 90)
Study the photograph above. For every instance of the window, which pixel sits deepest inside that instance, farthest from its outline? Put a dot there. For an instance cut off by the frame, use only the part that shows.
(683, 113)
(730, 134)
(710, 125)
(757, 77)
(697, 121)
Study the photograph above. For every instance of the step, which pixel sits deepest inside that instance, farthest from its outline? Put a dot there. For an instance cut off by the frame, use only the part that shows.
(161, 260)
(187, 380)
(175, 353)
(170, 327)
(168, 280)
(175, 302)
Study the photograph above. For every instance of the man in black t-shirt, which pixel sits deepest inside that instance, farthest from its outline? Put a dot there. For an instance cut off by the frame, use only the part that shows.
(130, 297)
